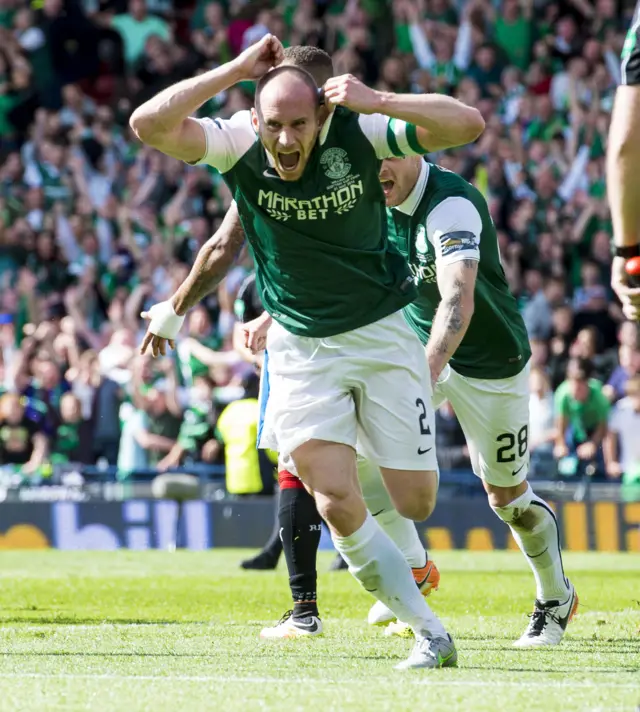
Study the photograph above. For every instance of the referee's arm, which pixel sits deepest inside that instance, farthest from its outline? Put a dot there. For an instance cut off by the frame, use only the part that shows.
(623, 175)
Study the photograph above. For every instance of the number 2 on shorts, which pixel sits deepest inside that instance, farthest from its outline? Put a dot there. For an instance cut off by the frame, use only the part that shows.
(424, 425)
(506, 452)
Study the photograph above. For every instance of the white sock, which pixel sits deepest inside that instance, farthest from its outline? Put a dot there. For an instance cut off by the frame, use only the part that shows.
(535, 529)
(378, 564)
(401, 531)
(404, 535)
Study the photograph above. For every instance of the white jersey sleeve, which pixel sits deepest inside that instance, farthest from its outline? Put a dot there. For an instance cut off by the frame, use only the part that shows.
(227, 140)
(390, 137)
(454, 228)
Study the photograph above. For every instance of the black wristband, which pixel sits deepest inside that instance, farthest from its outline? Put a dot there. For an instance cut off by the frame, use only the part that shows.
(627, 252)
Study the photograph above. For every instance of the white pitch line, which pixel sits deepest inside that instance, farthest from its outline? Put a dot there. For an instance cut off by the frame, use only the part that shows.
(306, 681)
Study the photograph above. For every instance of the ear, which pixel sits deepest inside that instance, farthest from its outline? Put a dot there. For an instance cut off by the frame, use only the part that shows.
(255, 121)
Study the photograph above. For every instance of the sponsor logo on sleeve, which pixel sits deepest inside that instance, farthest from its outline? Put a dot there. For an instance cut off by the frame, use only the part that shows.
(460, 241)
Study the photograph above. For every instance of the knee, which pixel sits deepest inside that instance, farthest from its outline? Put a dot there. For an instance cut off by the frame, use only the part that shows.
(499, 500)
(501, 497)
(418, 504)
(335, 503)
(512, 504)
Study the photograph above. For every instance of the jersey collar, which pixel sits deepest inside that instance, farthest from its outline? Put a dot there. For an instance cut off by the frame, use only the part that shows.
(408, 207)
(324, 131)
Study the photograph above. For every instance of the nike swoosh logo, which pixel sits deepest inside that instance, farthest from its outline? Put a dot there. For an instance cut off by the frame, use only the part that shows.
(376, 513)
(424, 452)
(267, 174)
(311, 626)
(442, 661)
(515, 472)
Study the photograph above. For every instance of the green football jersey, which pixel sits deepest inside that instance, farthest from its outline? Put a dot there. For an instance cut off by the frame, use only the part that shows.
(323, 260)
(443, 220)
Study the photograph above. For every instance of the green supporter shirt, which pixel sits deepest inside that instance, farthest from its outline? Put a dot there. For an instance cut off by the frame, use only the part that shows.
(66, 443)
(135, 33)
(583, 416)
(444, 220)
(515, 38)
(323, 260)
(196, 428)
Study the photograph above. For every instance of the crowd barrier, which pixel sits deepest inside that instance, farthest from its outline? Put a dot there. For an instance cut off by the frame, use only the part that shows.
(457, 523)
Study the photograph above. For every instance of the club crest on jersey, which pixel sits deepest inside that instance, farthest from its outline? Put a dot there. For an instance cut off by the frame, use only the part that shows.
(421, 240)
(335, 163)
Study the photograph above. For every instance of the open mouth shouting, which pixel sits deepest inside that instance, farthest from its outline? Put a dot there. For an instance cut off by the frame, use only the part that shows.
(288, 162)
(387, 187)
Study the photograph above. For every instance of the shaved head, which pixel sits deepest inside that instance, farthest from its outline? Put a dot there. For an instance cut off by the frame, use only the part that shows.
(287, 82)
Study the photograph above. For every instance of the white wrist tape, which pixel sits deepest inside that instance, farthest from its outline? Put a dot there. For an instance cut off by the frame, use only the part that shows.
(164, 320)
(444, 375)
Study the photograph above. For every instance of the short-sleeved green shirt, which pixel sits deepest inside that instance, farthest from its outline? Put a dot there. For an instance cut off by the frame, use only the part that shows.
(324, 264)
(442, 221)
(584, 417)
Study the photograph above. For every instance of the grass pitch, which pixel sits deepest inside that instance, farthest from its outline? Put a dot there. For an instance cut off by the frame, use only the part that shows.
(158, 631)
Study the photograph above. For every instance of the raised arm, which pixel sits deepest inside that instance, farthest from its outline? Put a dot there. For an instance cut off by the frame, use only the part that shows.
(164, 122)
(433, 121)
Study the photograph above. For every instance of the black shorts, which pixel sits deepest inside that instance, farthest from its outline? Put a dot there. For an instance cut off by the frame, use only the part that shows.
(631, 52)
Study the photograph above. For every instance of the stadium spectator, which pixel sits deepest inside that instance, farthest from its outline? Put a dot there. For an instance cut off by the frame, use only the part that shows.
(622, 444)
(582, 412)
(162, 416)
(22, 440)
(196, 441)
(542, 427)
(136, 27)
(628, 361)
(249, 471)
(66, 443)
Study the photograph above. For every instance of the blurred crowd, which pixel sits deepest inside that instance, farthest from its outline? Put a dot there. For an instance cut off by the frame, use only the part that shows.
(94, 227)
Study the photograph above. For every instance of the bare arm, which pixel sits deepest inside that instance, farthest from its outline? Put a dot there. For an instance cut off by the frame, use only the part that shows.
(212, 263)
(164, 122)
(172, 391)
(126, 233)
(560, 449)
(599, 434)
(154, 442)
(212, 358)
(610, 451)
(622, 166)
(623, 158)
(441, 121)
(250, 338)
(583, 220)
(40, 444)
(173, 209)
(172, 458)
(457, 283)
